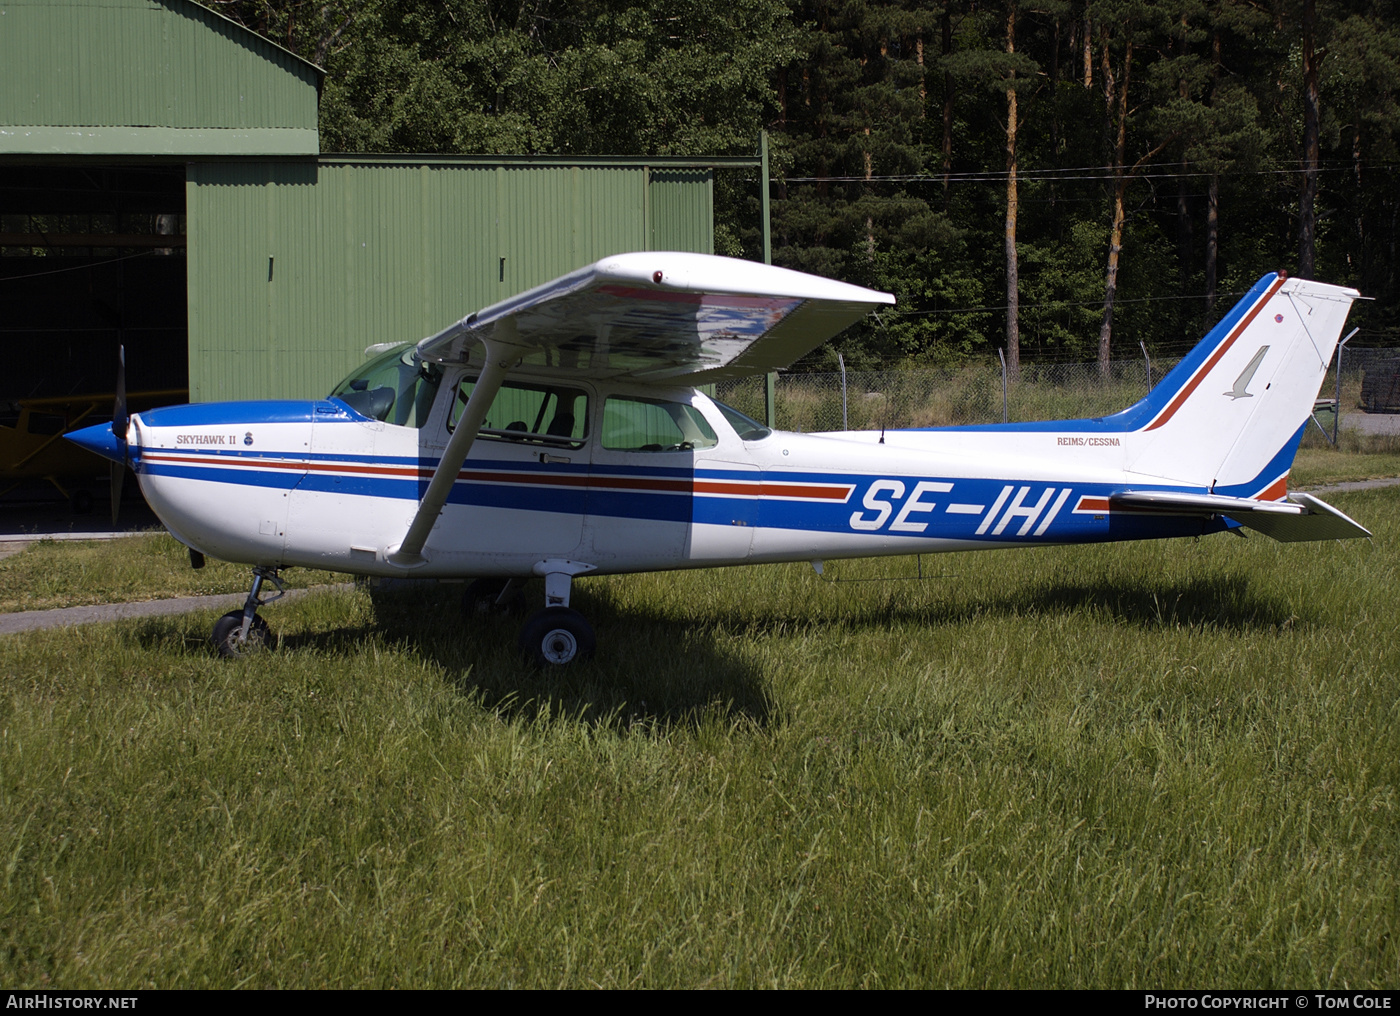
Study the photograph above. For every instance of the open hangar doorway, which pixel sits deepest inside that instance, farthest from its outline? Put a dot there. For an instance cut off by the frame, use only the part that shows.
(92, 258)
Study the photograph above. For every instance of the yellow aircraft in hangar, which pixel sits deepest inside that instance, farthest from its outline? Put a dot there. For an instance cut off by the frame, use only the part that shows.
(31, 445)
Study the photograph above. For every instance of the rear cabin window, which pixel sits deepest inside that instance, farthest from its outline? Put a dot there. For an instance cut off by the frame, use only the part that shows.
(538, 414)
(653, 425)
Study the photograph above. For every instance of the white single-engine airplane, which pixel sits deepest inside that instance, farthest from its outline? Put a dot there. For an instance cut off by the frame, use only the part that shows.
(557, 434)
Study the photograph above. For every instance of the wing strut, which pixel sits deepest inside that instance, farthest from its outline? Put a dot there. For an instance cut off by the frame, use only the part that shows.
(501, 356)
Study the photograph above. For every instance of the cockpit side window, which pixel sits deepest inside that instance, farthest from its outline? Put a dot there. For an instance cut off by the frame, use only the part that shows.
(654, 425)
(534, 413)
(394, 387)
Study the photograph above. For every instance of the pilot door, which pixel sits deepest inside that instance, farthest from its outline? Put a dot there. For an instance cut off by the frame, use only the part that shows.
(351, 497)
(523, 489)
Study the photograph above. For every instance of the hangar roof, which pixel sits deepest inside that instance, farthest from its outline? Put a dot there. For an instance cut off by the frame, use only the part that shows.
(148, 77)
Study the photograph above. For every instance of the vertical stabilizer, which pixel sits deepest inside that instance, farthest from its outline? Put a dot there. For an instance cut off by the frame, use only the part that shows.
(1230, 416)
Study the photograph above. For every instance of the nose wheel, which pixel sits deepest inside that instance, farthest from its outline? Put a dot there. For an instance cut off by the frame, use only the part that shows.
(242, 633)
(230, 641)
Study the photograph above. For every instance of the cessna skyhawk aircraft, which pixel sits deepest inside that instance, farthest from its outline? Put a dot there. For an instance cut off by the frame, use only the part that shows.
(559, 434)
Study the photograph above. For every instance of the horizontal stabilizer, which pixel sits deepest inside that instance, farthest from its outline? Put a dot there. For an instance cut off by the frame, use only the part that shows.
(1320, 522)
(1298, 519)
(1172, 502)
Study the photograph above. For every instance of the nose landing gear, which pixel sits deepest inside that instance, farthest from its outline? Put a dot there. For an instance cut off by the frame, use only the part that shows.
(242, 633)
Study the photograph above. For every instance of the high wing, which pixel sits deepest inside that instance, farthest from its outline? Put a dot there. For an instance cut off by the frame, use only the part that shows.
(663, 317)
(646, 317)
(1299, 517)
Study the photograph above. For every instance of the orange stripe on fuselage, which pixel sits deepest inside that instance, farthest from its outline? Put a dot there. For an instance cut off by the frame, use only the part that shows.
(732, 488)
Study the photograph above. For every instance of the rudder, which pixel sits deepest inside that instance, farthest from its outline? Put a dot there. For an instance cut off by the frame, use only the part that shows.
(1230, 417)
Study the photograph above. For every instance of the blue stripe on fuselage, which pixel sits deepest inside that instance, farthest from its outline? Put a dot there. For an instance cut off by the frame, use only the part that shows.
(989, 505)
(252, 413)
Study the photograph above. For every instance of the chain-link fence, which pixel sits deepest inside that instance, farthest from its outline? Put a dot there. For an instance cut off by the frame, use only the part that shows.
(981, 393)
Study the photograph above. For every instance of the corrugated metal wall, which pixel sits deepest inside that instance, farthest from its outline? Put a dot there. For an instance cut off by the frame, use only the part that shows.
(680, 208)
(294, 268)
(147, 76)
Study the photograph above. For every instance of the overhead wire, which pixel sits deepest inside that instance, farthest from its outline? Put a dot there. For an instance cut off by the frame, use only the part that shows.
(1058, 304)
(1055, 175)
(78, 268)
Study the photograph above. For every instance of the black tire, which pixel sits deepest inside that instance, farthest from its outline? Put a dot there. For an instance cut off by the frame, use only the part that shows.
(556, 637)
(226, 636)
(480, 597)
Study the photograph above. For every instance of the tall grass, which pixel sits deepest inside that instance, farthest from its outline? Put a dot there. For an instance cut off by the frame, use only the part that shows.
(1163, 764)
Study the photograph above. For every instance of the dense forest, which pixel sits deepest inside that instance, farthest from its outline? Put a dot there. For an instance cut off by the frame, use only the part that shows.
(1059, 179)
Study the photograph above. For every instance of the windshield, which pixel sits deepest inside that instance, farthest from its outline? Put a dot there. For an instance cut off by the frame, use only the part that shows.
(393, 387)
(746, 427)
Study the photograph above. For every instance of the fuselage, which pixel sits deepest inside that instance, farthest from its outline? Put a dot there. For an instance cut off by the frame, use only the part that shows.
(322, 485)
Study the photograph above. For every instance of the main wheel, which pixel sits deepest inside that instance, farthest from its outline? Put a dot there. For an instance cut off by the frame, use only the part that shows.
(481, 598)
(557, 636)
(226, 631)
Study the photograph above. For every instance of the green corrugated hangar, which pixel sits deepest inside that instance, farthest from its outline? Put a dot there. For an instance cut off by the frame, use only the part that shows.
(161, 187)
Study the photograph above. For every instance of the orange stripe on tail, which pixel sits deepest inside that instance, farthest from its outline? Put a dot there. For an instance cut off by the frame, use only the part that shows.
(1275, 491)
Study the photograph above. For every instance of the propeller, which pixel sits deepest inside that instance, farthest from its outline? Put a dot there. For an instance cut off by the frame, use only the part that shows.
(120, 422)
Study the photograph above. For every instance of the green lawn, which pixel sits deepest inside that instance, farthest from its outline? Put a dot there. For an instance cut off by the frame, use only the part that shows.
(1165, 764)
(1356, 457)
(71, 573)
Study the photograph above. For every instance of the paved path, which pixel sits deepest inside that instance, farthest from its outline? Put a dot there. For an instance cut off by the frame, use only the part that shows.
(1387, 481)
(1372, 423)
(34, 619)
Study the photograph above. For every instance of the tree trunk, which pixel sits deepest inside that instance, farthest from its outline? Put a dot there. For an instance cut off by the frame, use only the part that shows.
(1184, 232)
(1055, 110)
(782, 123)
(1115, 247)
(1088, 51)
(1213, 194)
(947, 28)
(869, 222)
(1307, 211)
(1116, 96)
(1013, 297)
(1361, 257)
(923, 82)
(1212, 239)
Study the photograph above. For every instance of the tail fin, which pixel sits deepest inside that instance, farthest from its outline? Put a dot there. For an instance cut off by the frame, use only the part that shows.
(1229, 417)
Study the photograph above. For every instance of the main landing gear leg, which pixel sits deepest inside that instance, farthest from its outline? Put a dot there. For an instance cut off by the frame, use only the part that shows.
(557, 635)
(484, 597)
(242, 632)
